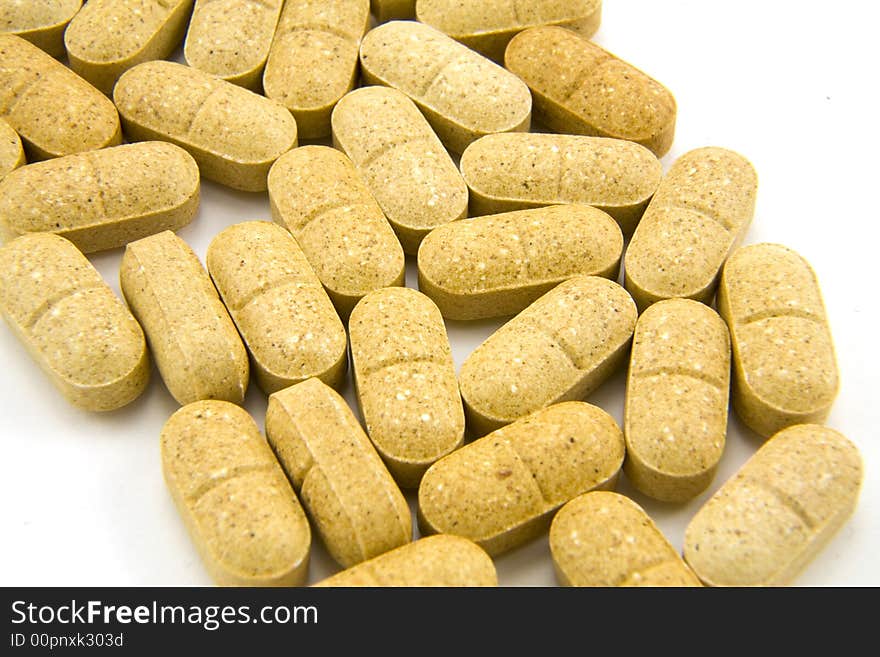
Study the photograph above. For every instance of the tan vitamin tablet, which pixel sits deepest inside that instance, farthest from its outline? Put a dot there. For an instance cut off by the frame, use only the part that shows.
(283, 314)
(78, 331)
(317, 194)
(778, 512)
(11, 152)
(559, 348)
(235, 135)
(497, 265)
(675, 417)
(54, 111)
(238, 506)
(314, 59)
(785, 370)
(403, 163)
(501, 490)
(42, 23)
(698, 215)
(432, 561)
(605, 539)
(579, 88)
(515, 171)
(488, 25)
(102, 199)
(192, 338)
(405, 381)
(353, 502)
(462, 94)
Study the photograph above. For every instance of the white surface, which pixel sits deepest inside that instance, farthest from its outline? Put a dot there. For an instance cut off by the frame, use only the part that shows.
(791, 85)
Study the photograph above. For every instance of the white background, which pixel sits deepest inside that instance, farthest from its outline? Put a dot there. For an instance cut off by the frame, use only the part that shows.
(791, 85)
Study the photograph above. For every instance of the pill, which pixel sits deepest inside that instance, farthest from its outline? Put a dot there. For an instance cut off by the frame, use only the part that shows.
(102, 199)
(389, 10)
(235, 500)
(516, 171)
(345, 488)
(560, 348)
(317, 194)
(41, 23)
(191, 336)
(699, 213)
(605, 539)
(230, 39)
(675, 416)
(282, 313)
(502, 490)
(431, 561)
(785, 370)
(488, 26)
(777, 513)
(463, 94)
(54, 111)
(405, 381)
(579, 88)
(408, 171)
(11, 152)
(314, 59)
(499, 264)
(74, 327)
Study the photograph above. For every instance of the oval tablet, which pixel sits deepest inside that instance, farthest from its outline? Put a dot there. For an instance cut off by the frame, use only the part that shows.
(233, 496)
(78, 331)
(785, 370)
(699, 213)
(515, 171)
(54, 111)
(197, 349)
(675, 417)
(497, 265)
(354, 503)
(405, 381)
(778, 512)
(501, 490)
(11, 152)
(462, 94)
(605, 539)
(42, 23)
(389, 10)
(102, 199)
(283, 314)
(581, 89)
(317, 194)
(235, 135)
(559, 348)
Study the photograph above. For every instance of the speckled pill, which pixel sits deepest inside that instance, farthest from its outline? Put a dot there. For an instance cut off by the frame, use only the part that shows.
(432, 561)
(675, 416)
(235, 135)
(345, 488)
(390, 10)
(408, 171)
(230, 39)
(559, 348)
(102, 199)
(74, 327)
(317, 194)
(191, 336)
(515, 171)
(497, 265)
(605, 539)
(698, 215)
(778, 512)
(283, 314)
(234, 498)
(314, 59)
(488, 25)
(502, 490)
(11, 151)
(42, 23)
(54, 111)
(462, 94)
(405, 381)
(784, 367)
(579, 88)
